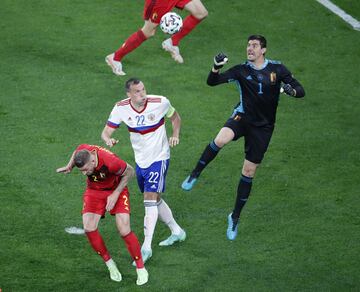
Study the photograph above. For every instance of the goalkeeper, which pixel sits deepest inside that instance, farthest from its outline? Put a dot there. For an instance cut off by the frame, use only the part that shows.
(259, 81)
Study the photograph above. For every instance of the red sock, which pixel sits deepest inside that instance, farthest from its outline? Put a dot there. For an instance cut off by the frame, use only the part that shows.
(133, 247)
(133, 41)
(98, 244)
(189, 24)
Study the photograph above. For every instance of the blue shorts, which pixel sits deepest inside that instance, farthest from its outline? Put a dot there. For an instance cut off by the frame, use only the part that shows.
(152, 179)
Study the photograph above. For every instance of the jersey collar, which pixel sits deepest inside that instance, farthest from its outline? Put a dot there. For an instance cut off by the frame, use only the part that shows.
(266, 62)
(145, 105)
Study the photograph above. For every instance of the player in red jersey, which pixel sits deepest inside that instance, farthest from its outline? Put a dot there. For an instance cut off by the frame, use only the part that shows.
(107, 178)
(153, 11)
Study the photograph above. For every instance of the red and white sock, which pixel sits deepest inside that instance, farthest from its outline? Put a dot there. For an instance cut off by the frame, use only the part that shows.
(98, 244)
(133, 246)
(133, 41)
(190, 23)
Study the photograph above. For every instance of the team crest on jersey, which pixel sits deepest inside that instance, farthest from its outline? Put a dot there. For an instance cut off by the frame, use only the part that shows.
(154, 16)
(237, 118)
(273, 78)
(151, 117)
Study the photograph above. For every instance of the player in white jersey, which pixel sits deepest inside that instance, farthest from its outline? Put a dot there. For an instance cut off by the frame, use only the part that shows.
(144, 116)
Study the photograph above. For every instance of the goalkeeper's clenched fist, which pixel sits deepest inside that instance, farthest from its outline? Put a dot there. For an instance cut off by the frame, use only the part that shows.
(220, 60)
(289, 90)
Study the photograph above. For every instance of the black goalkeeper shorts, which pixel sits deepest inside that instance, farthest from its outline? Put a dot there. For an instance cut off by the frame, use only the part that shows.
(257, 139)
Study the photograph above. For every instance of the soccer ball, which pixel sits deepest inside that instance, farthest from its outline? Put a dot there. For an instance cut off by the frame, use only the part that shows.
(171, 23)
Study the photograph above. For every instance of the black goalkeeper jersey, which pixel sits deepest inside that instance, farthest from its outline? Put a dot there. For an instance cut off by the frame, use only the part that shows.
(259, 89)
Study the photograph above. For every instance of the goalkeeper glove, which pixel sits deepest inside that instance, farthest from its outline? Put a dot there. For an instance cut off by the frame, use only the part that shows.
(289, 90)
(220, 60)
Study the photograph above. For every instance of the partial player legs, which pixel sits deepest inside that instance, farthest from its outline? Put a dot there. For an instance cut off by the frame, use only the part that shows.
(198, 13)
(243, 193)
(174, 238)
(166, 216)
(174, 51)
(190, 23)
(142, 276)
(206, 157)
(133, 247)
(98, 244)
(232, 229)
(115, 275)
(150, 219)
(224, 136)
(90, 222)
(171, 45)
(116, 66)
(197, 9)
(129, 237)
(133, 41)
(113, 60)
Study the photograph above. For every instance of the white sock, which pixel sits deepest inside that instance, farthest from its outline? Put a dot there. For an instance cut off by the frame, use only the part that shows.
(167, 217)
(150, 219)
(110, 263)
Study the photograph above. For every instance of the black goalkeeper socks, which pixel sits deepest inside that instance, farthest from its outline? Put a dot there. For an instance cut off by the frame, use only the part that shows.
(243, 193)
(207, 156)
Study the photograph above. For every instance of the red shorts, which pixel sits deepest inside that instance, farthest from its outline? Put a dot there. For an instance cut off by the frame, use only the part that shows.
(155, 9)
(94, 201)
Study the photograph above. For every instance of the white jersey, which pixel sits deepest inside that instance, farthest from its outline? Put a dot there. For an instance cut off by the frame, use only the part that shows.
(147, 128)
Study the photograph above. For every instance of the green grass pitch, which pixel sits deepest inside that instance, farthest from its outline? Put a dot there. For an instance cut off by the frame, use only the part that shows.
(300, 228)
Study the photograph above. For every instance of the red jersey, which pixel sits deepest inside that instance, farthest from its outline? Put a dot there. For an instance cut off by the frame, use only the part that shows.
(155, 9)
(107, 173)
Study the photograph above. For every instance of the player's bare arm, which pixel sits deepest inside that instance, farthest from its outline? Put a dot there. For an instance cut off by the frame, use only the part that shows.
(106, 136)
(125, 177)
(68, 168)
(176, 125)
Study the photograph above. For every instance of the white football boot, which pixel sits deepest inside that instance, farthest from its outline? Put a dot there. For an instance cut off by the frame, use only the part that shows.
(116, 66)
(114, 272)
(174, 51)
(142, 276)
(174, 238)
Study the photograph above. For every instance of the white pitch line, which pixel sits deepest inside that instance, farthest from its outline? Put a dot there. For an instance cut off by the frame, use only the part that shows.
(338, 11)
